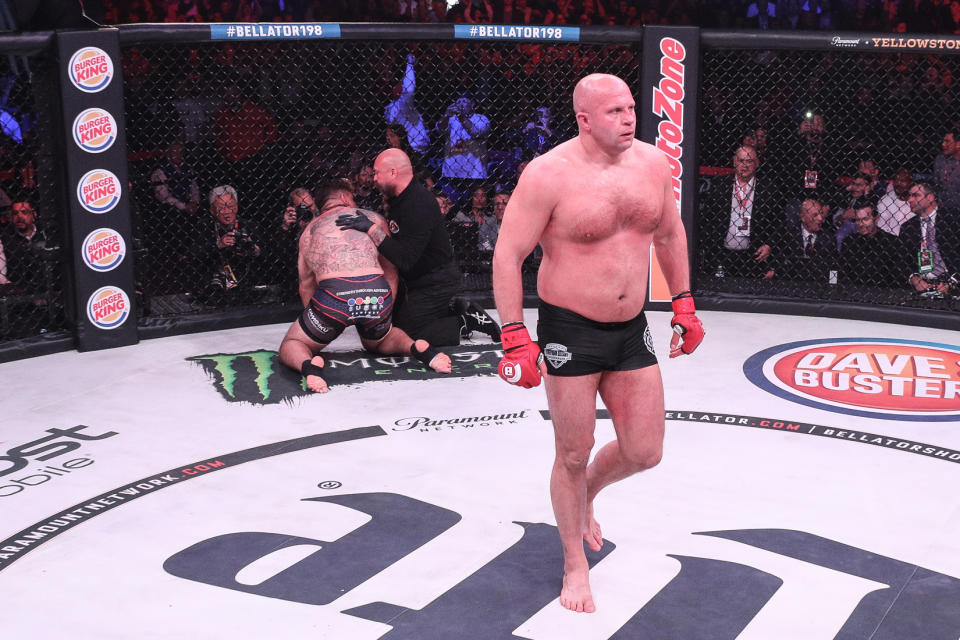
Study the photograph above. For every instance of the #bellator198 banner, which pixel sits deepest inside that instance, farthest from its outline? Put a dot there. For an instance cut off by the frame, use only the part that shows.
(97, 193)
(667, 113)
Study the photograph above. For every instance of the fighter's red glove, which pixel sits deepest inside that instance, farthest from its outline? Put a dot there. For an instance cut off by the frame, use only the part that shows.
(521, 360)
(686, 325)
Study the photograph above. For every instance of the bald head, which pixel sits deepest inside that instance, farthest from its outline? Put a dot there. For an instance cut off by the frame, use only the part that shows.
(392, 172)
(592, 88)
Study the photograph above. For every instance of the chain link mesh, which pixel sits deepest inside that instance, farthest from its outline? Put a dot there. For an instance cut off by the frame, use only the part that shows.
(32, 282)
(834, 143)
(267, 119)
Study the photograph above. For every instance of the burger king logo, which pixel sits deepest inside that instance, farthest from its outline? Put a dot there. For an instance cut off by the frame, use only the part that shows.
(90, 69)
(98, 191)
(94, 130)
(108, 307)
(104, 249)
(870, 377)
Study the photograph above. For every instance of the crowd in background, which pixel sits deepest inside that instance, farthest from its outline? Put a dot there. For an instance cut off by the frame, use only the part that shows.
(915, 16)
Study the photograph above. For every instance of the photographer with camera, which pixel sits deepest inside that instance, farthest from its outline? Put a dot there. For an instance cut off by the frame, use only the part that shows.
(284, 237)
(232, 255)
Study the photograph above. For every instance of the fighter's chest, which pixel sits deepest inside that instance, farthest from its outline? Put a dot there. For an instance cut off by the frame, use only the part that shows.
(595, 211)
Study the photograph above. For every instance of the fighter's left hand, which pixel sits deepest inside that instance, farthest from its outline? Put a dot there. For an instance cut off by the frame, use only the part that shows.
(687, 331)
(356, 221)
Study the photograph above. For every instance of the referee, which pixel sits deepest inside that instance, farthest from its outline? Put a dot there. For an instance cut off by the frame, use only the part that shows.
(428, 302)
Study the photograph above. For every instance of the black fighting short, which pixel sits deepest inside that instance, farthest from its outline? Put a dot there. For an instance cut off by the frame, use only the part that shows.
(576, 346)
(364, 301)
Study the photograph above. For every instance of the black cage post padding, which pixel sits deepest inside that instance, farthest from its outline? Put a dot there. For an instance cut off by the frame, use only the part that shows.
(94, 144)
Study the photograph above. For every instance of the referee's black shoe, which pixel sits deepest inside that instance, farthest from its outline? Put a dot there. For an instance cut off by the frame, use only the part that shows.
(473, 317)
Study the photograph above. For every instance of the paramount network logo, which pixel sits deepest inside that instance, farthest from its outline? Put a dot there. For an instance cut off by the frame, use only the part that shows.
(258, 377)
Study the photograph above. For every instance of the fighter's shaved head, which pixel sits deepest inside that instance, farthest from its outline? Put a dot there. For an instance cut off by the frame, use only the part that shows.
(591, 87)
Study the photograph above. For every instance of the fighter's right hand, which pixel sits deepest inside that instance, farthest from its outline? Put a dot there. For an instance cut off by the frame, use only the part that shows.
(522, 360)
(356, 221)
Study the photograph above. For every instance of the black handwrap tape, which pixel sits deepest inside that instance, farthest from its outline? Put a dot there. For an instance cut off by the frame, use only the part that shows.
(683, 294)
(426, 356)
(310, 369)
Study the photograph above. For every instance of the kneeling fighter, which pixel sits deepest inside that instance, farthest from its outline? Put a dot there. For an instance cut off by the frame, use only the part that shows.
(592, 287)
(344, 282)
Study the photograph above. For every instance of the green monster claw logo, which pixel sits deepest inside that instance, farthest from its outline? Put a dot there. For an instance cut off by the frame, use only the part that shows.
(258, 377)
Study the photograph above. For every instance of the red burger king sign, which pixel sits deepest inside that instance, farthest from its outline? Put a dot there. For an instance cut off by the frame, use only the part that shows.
(877, 378)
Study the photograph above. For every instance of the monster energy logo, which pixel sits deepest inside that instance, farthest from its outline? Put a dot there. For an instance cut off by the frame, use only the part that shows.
(258, 377)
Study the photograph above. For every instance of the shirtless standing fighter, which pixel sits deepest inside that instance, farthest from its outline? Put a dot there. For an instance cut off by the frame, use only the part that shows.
(594, 203)
(343, 282)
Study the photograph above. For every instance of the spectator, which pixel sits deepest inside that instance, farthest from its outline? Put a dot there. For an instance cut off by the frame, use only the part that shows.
(931, 241)
(539, 135)
(465, 228)
(402, 111)
(946, 171)
(285, 234)
(877, 187)
(446, 207)
(174, 183)
(490, 228)
(3, 265)
(364, 188)
(761, 14)
(232, 256)
(396, 137)
(858, 193)
(868, 257)
(894, 209)
(806, 253)
(465, 148)
(741, 219)
(23, 245)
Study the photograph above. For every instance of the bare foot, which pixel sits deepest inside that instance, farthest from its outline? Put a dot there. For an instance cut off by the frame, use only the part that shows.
(440, 363)
(316, 383)
(591, 531)
(575, 594)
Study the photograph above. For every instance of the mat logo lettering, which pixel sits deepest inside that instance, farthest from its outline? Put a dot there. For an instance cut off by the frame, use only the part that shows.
(879, 378)
(60, 442)
(259, 378)
(90, 69)
(891, 595)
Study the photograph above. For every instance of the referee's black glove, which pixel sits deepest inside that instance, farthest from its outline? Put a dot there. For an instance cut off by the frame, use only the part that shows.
(355, 221)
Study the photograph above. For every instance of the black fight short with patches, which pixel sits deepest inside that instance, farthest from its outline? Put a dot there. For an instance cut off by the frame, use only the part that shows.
(577, 346)
(363, 301)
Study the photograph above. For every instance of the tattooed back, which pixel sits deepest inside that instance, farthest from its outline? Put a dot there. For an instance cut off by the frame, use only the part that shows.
(329, 251)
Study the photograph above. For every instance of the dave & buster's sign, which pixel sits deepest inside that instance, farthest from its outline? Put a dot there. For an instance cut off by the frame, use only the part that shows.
(872, 377)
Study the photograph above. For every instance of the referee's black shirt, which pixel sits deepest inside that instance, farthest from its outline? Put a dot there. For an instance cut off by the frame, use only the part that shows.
(418, 245)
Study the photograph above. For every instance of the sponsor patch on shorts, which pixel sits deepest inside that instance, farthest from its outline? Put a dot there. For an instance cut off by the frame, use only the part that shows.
(556, 354)
(648, 340)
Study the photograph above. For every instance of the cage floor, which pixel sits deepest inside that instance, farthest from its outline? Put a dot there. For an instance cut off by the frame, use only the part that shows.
(188, 485)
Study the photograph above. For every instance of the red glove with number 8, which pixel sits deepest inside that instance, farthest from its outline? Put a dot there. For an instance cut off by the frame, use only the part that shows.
(686, 325)
(522, 359)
